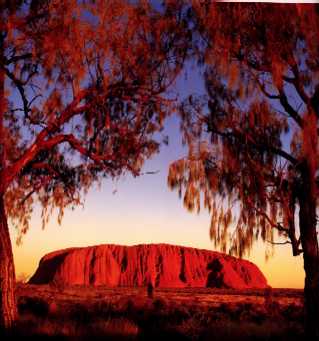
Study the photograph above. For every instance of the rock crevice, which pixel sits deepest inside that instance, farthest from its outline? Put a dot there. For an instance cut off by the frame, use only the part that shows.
(162, 264)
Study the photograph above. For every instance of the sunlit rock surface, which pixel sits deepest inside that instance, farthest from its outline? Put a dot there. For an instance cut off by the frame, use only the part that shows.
(163, 265)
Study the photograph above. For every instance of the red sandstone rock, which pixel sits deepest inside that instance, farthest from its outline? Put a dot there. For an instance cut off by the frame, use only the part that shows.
(161, 264)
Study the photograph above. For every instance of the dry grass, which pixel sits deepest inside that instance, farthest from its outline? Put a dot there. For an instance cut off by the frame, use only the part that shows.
(81, 313)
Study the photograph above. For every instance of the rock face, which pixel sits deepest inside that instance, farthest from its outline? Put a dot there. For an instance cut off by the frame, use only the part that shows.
(161, 264)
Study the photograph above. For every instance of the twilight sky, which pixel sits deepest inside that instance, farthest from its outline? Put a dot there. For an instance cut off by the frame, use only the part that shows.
(144, 210)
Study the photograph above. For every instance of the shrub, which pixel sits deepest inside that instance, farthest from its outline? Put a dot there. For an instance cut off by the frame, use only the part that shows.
(115, 327)
(292, 312)
(35, 305)
(159, 304)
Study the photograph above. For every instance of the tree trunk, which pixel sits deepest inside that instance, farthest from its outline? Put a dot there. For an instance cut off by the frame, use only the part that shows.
(309, 241)
(8, 308)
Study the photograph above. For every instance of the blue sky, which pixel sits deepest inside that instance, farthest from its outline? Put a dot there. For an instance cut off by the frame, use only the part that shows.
(144, 210)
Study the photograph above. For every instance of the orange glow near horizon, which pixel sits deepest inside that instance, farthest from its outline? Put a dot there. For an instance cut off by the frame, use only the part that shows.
(93, 226)
(223, 93)
(143, 210)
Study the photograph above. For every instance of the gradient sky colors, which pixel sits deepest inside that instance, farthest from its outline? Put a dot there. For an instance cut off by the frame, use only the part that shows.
(144, 210)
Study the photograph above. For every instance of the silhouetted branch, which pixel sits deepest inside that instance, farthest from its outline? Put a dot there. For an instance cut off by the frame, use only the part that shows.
(150, 172)
(26, 104)
(19, 84)
(289, 109)
(263, 146)
(297, 82)
(40, 143)
(15, 59)
(282, 96)
(264, 91)
(279, 243)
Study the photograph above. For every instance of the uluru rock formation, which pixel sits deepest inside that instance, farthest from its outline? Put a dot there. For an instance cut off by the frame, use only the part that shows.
(161, 264)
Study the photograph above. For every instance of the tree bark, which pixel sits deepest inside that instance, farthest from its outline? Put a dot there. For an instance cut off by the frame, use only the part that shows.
(309, 241)
(8, 308)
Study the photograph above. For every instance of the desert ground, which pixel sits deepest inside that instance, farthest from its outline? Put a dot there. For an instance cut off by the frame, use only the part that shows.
(57, 312)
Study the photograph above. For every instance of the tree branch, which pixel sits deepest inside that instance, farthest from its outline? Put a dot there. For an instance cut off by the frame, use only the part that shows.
(296, 81)
(40, 143)
(77, 145)
(298, 252)
(289, 109)
(44, 165)
(282, 96)
(263, 89)
(19, 84)
(299, 89)
(277, 226)
(17, 58)
(272, 149)
(279, 243)
(26, 104)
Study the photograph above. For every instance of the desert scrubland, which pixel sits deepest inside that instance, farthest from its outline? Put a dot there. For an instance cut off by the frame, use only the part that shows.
(60, 312)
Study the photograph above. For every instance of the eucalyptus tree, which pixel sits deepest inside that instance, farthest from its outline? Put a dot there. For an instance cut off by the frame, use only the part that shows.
(253, 136)
(82, 88)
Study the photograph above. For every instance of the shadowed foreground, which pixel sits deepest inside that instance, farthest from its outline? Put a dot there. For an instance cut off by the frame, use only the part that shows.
(67, 313)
